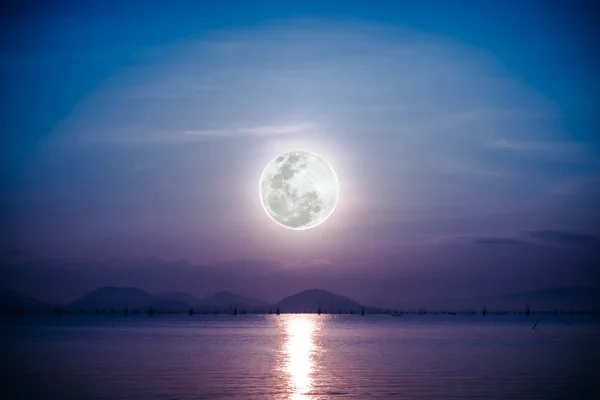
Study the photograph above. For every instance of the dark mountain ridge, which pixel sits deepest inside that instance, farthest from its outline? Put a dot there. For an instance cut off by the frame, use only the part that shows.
(114, 298)
(131, 299)
(11, 302)
(314, 300)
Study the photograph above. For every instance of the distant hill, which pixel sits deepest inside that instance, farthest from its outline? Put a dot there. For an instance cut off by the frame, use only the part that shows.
(315, 299)
(119, 298)
(116, 298)
(12, 302)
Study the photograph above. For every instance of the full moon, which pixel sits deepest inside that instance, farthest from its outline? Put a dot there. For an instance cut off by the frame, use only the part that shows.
(299, 190)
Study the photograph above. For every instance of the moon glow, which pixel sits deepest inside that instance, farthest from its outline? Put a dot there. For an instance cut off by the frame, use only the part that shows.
(299, 190)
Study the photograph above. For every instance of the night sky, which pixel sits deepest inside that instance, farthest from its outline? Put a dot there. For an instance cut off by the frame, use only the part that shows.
(464, 134)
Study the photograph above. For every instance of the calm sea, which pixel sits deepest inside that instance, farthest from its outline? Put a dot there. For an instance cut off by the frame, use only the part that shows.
(300, 357)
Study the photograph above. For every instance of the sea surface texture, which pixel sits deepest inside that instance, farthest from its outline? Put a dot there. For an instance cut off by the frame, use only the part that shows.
(300, 356)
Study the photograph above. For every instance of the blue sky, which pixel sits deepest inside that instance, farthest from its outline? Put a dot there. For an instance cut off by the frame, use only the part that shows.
(464, 133)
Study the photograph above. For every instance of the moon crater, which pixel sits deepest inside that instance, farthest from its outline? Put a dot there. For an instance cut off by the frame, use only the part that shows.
(299, 190)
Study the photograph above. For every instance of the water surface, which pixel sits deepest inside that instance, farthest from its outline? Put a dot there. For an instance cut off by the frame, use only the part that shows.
(300, 356)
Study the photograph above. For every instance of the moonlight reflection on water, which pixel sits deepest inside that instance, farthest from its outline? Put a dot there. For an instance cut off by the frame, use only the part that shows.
(298, 353)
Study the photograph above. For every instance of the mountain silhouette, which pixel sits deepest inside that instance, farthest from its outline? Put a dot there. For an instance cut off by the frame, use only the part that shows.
(115, 298)
(318, 299)
(118, 299)
(11, 302)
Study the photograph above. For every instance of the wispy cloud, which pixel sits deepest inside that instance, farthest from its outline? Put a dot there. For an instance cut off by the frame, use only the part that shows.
(170, 91)
(577, 152)
(258, 130)
(456, 166)
(132, 136)
(354, 76)
(576, 185)
(268, 130)
(318, 262)
(500, 114)
(497, 240)
(561, 237)
(203, 132)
